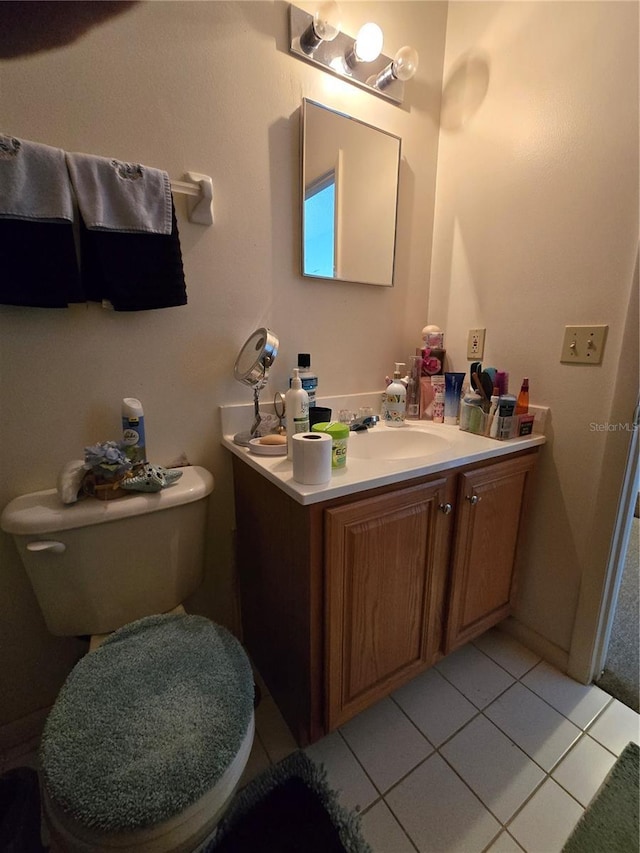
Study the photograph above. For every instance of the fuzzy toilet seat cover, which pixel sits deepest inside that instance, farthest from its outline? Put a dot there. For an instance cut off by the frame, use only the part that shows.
(145, 725)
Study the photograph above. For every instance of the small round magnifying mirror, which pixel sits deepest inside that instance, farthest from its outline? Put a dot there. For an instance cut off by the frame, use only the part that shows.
(252, 369)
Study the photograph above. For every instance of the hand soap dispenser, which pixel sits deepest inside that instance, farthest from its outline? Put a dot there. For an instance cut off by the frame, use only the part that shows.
(396, 399)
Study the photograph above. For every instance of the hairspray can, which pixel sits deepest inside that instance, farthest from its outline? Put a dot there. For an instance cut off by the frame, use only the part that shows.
(133, 430)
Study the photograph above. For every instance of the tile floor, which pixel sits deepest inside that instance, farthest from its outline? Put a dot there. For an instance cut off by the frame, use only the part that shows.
(490, 750)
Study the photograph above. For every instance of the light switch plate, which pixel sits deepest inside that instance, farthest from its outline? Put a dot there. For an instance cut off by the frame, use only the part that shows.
(583, 344)
(475, 343)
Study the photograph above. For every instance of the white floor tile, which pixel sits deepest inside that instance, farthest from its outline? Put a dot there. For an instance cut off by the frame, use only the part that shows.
(504, 843)
(386, 743)
(383, 832)
(543, 733)
(507, 651)
(581, 703)
(435, 706)
(273, 730)
(616, 726)
(475, 675)
(439, 812)
(547, 820)
(344, 773)
(498, 772)
(583, 769)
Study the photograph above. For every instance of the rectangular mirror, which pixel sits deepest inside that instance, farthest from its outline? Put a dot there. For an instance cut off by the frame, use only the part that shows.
(350, 173)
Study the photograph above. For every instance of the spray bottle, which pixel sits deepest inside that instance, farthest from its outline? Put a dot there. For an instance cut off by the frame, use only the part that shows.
(133, 430)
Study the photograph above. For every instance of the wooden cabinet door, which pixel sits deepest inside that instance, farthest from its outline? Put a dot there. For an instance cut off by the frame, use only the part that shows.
(488, 520)
(383, 560)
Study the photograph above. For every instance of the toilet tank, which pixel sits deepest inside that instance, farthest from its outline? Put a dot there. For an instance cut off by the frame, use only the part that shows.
(96, 565)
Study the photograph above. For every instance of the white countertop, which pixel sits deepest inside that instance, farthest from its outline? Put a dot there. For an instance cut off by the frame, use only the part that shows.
(458, 448)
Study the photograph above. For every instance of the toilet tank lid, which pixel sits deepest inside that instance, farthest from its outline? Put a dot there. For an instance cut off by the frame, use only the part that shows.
(43, 512)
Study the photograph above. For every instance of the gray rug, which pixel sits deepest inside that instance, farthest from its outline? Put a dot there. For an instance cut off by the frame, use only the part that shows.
(622, 668)
(289, 808)
(610, 822)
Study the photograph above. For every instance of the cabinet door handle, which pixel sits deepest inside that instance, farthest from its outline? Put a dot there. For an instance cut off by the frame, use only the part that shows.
(473, 499)
(445, 508)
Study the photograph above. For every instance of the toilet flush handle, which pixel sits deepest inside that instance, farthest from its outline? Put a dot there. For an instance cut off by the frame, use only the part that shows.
(47, 545)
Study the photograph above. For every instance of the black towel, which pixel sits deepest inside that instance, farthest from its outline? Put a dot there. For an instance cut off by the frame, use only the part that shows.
(133, 271)
(38, 266)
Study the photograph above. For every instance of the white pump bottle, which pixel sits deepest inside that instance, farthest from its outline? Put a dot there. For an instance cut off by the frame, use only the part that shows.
(296, 404)
(396, 399)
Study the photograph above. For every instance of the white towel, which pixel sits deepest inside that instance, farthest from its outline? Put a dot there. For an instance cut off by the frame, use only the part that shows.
(117, 196)
(34, 182)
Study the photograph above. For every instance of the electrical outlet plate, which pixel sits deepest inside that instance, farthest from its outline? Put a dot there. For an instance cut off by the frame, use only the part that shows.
(583, 344)
(475, 344)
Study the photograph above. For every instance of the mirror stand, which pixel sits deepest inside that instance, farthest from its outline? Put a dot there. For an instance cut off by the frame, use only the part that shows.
(243, 438)
(252, 369)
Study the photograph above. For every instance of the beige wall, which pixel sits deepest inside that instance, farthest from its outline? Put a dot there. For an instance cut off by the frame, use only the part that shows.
(536, 227)
(208, 87)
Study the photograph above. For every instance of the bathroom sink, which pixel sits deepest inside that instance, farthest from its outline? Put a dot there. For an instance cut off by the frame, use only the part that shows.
(394, 443)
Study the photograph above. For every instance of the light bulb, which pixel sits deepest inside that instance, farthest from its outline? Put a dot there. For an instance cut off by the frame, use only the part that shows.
(403, 66)
(405, 63)
(325, 26)
(368, 45)
(326, 21)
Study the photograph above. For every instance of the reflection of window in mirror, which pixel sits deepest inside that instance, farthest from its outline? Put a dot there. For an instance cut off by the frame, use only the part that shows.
(319, 256)
(353, 238)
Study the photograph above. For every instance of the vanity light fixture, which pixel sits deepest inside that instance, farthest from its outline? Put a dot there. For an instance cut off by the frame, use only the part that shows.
(317, 38)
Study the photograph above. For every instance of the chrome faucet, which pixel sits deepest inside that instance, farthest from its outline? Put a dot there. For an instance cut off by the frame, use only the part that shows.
(360, 424)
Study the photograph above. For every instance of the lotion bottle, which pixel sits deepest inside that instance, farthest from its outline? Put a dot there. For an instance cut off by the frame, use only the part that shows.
(296, 403)
(396, 399)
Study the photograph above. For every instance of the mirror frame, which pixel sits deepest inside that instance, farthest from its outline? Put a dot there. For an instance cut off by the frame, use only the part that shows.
(323, 179)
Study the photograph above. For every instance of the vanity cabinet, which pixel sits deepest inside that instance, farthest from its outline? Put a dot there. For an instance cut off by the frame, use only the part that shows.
(344, 600)
(385, 571)
(490, 507)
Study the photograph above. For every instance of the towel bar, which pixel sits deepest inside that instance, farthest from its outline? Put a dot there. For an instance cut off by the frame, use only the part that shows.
(199, 189)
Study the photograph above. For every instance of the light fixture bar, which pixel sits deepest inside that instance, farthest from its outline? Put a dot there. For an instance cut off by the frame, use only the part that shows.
(331, 57)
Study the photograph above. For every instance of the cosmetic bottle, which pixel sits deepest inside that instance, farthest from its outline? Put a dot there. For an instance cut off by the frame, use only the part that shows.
(133, 430)
(502, 381)
(438, 407)
(522, 403)
(452, 393)
(296, 403)
(396, 399)
(471, 400)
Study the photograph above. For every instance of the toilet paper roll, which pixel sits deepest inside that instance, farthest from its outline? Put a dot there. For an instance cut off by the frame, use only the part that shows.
(312, 457)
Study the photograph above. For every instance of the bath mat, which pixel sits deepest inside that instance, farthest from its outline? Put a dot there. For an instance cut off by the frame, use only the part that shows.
(20, 811)
(611, 819)
(288, 809)
(145, 725)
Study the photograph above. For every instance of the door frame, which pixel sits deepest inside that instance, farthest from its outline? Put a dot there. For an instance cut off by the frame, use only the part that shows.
(617, 552)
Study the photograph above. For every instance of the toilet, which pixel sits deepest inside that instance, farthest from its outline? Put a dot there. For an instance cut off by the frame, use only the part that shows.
(149, 736)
